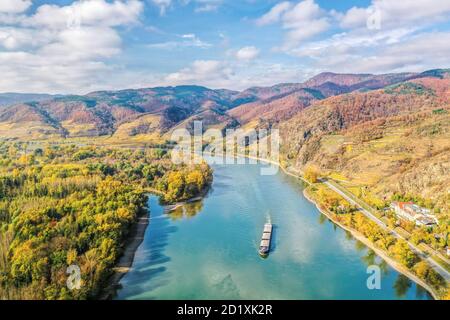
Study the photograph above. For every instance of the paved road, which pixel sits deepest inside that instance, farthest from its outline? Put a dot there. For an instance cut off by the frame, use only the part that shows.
(436, 266)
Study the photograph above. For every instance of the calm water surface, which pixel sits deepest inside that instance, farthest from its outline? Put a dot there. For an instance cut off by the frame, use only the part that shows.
(208, 249)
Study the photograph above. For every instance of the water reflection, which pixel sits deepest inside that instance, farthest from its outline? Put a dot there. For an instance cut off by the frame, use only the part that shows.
(322, 218)
(421, 293)
(369, 258)
(348, 235)
(359, 245)
(402, 286)
(187, 210)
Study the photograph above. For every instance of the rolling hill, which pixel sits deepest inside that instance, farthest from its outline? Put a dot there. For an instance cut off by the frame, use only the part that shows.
(274, 104)
(152, 113)
(391, 140)
(104, 112)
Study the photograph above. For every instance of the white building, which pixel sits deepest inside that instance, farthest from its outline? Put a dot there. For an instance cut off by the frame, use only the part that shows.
(412, 212)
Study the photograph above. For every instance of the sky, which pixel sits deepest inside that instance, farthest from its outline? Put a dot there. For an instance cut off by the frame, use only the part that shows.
(64, 46)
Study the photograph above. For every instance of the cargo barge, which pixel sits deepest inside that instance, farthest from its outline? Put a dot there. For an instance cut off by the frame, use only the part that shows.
(264, 246)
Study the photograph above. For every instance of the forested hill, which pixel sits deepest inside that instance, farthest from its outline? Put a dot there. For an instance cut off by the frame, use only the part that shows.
(151, 113)
(395, 140)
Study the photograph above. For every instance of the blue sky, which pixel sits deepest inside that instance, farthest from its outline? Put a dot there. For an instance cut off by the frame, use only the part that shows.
(85, 45)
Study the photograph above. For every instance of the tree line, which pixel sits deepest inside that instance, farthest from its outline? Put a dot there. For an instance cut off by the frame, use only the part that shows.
(72, 205)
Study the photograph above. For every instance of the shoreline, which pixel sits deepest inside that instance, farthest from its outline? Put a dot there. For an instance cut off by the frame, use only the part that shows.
(395, 265)
(132, 243)
(171, 207)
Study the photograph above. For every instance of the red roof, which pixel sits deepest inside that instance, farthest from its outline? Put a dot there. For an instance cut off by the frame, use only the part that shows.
(402, 204)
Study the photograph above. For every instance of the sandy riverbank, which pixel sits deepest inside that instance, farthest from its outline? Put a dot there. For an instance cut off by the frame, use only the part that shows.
(379, 252)
(133, 242)
(171, 207)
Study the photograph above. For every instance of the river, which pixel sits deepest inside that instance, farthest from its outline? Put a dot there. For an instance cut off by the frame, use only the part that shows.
(208, 249)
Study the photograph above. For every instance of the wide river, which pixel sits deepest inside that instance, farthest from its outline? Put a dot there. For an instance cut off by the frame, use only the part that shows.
(208, 249)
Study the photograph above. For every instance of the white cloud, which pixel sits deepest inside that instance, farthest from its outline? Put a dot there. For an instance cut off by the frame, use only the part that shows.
(301, 21)
(301, 13)
(362, 48)
(187, 40)
(398, 13)
(274, 14)
(78, 44)
(355, 17)
(203, 6)
(349, 42)
(409, 55)
(12, 38)
(199, 72)
(232, 75)
(247, 53)
(88, 13)
(305, 31)
(207, 8)
(304, 21)
(46, 52)
(28, 72)
(392, 51)
(397, 45)
(14, 6)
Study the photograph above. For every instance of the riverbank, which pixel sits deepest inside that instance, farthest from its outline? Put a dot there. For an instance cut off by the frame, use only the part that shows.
(276, 164)
(171, 207)
(355, 233)
(132, 243)
(395, 265)
(135, 239)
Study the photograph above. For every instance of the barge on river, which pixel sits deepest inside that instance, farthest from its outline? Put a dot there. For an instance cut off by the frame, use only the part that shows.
(264, 247)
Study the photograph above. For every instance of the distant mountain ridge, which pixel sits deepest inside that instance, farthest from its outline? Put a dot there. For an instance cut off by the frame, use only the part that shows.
(10, 98)
(153, 112)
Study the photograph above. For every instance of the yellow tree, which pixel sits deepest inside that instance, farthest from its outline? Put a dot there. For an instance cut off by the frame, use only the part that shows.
(175, 186)
(311, 174)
